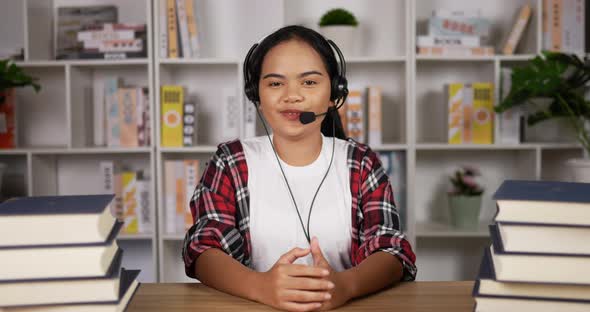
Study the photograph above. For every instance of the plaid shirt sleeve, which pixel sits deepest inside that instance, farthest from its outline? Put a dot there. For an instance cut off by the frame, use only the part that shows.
(214, 210)
(378, 219)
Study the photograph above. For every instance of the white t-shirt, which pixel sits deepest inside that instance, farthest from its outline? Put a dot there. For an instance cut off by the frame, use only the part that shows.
(275, 227)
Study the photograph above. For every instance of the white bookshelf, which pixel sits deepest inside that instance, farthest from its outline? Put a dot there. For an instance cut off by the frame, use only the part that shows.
(55, 153)
(55, 157)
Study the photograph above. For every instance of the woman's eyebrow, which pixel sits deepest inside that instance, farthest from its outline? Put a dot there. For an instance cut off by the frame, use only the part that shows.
(305, 74)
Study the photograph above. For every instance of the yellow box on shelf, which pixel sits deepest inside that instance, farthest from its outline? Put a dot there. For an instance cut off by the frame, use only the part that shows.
(172, 100)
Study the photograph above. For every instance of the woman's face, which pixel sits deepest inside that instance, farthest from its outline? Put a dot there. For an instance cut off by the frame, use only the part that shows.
(293, 79)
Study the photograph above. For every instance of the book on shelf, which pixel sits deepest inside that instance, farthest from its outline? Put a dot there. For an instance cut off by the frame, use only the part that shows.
(355, 114)
(188, 124)
(564, 25)
(455, 51)
(230, 114)
(180, 179)
(249, 119)
(394, 164)
(375, 115)
(470, 113)
(361, 114)
(508, 123)
(457, 23)
(520, 24)
(70, 20)
(108, 39)
(548, 202)
(127, 287)
(172, 102)
(121, 113)
(464, 41)
(493, 295)
(181, 35)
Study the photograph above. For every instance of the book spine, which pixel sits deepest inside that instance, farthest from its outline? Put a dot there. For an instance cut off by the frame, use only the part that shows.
(546, 24)
(147, 116)
(517, 30)
(192, 28)
(98, 105)
(130, 205)
(8, 119)
(457, 51)
(343, 114)
(128, 116)
(573, 26)
(139, 112)
(508, 122)
(457, 26)
(192, 177)
(230, 115)
(106, 172)
(183, 27)
(172, 99)
(119, 206)
(355, 115)
(163, 32)
(455, 109)
(556, 26)
(170, 195)
(483, 113)
(181, 204)
(144, 224)
(92, 37)
(446, 13)
(172, 29)
(465, 41)
(112, 105)
(467, 113)
(375, 116)
(249, 119)
(188, 124)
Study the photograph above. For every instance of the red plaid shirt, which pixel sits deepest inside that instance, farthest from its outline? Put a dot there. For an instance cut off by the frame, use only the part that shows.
(220, 209)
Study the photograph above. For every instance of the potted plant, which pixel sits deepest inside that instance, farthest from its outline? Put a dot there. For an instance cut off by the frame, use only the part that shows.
(465, 198)
(559, 80)
(11, 76)
(340, 25)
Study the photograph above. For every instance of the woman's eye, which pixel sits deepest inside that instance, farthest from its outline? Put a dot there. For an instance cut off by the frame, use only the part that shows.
(274, 84)
(309, 82)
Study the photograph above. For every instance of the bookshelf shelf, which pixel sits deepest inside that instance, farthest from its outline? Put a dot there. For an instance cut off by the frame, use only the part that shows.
(198, 61)
(131, 237)
(194, 149)
(444, 230)
(54, 157)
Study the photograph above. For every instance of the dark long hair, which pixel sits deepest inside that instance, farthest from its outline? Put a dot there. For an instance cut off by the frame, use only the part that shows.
(320, 45)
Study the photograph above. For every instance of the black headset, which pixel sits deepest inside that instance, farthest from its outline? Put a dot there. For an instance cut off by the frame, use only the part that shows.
(339, 84)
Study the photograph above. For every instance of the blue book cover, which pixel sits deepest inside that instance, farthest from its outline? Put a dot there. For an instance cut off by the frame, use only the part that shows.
(50, 205)
(551, 191)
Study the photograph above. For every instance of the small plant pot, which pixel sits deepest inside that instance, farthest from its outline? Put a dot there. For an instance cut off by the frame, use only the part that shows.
(464, 211)
(345, 38)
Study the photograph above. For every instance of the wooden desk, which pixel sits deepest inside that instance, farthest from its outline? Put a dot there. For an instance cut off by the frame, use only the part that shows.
(405, 297)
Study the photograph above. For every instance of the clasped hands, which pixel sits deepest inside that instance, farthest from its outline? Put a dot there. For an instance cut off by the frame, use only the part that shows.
(298, 287)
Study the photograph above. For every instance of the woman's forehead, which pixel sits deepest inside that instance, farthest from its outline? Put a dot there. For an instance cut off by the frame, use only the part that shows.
(293, 55)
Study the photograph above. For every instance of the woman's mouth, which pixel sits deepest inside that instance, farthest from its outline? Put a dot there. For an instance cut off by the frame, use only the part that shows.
(291, 115)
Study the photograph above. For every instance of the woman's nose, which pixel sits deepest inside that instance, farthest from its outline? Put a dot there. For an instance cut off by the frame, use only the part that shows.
(293, 94)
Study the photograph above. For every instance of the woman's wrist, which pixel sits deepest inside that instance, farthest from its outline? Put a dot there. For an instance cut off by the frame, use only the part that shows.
(347, 280)
(254, 286)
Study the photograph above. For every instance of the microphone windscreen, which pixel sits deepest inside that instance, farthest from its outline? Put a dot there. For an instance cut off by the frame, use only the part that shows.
(306, 117)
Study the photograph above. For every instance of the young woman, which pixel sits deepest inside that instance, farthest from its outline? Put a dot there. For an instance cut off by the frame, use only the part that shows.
(303, 218)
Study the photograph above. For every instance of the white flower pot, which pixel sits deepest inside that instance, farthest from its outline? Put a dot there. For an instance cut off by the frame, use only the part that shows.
(579, 169)
(345, 37)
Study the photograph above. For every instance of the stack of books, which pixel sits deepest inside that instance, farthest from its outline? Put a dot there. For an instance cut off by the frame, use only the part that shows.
(456, 33)
(59, 253)
(113, 41)
(539, 259)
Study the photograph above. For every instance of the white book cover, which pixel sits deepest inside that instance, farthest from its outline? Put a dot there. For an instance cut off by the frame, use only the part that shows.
(99, 117)
(508, 125)
(194, 28)
(144, 217)
(106, 173)
(139, 113)
(466, 41)
(573, 16)
(249, 119)
(230, 114)
(188, 124)
(183, 27)
(375, 115)
(163, 31)
(111, 86)
(170, 195)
